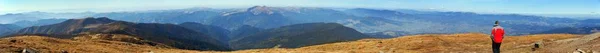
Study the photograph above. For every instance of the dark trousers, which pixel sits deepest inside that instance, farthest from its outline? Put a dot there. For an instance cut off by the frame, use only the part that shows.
(496, 47)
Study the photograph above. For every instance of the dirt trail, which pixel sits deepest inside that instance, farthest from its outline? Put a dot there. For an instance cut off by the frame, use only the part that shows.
(588, 43)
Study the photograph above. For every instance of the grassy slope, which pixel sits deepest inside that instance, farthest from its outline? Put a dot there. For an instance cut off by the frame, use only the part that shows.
(430, 43)
(426, 43)
(54, 45)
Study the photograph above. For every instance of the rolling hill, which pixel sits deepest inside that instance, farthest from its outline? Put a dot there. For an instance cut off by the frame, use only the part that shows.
(169, 34)
(243, 32)
(8, 28)
(213, 31)
(298, 35)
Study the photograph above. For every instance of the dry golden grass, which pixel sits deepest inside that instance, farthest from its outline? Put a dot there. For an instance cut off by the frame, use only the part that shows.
(54, 45)
(426, 43)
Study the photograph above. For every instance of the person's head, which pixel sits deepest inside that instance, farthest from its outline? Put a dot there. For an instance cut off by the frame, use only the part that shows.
(496, 24)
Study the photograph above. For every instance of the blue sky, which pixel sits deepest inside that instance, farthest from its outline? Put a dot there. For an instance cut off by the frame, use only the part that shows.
(546, 7)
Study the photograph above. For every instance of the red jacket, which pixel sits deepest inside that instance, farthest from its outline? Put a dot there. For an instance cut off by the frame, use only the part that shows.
(497, 34)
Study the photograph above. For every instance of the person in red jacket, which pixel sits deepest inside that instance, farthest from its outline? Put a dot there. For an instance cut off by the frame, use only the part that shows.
(497, 36)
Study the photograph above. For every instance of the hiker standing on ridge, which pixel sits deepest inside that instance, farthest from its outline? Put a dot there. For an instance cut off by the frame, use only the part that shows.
(497, 36)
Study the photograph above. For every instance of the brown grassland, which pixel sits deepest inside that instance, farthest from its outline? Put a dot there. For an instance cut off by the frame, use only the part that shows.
(425, 43)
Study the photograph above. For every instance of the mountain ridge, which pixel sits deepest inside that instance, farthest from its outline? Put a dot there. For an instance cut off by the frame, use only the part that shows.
(293, 36)
(170, 34)
(410, 21)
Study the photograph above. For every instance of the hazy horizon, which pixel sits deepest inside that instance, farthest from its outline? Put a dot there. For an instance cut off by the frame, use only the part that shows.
(555, 8)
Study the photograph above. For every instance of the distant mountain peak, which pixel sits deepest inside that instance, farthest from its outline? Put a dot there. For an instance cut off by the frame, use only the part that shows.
(256, 10)
(99, 19)
(90, 20)
(260, 9)
(191, 23)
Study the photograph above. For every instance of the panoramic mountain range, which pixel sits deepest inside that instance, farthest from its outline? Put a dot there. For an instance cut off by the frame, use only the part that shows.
(27, 23)
(195, 36)
(364, 20)
(272, 27)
